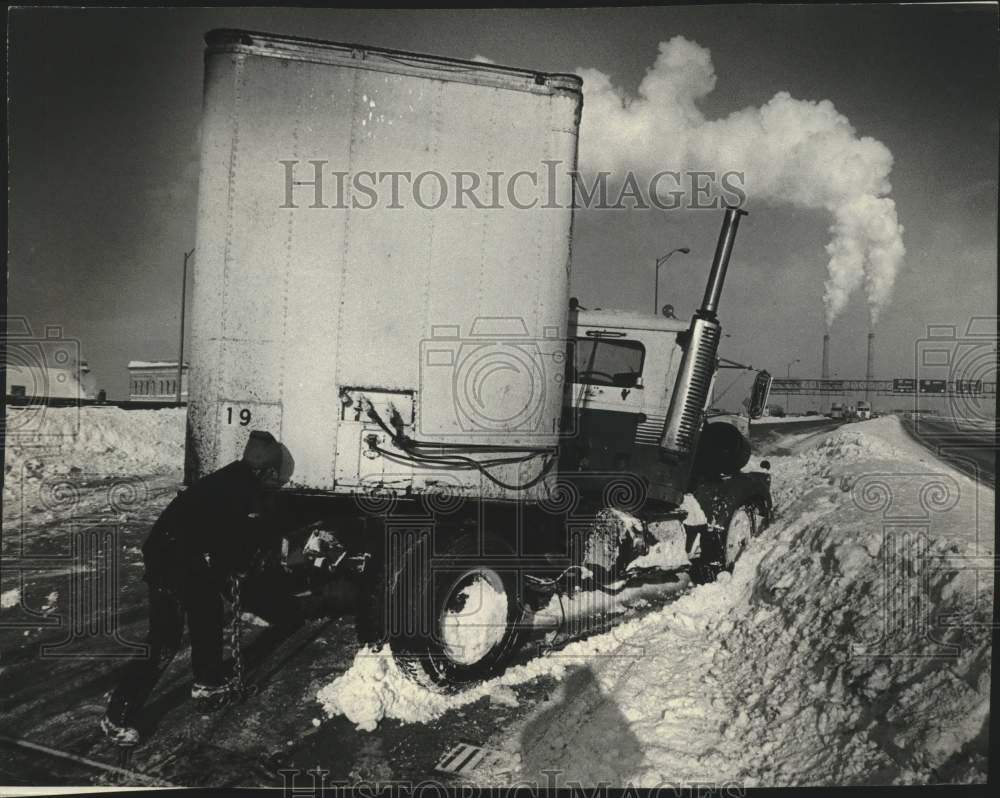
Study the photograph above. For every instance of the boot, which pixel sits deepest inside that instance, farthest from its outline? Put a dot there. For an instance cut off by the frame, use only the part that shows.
(121, 734)
(212, 697)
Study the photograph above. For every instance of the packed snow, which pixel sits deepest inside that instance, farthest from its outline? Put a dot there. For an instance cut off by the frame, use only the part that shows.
(850, 645)
(49, 446)
(470, 628)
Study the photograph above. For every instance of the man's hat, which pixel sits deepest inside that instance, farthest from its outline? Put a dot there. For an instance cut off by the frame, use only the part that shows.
(262, 451)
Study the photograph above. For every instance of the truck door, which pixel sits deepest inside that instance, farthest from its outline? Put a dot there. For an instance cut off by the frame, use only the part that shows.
(607, 397)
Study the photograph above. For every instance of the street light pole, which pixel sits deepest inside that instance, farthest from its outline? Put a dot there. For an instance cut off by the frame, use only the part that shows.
(656, 287)
(180, 357)
(788, 376)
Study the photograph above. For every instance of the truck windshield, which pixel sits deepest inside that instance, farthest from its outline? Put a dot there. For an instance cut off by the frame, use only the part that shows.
(605, 361)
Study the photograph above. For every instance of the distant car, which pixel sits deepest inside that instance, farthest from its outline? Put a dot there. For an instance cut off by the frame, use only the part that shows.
(812, 412)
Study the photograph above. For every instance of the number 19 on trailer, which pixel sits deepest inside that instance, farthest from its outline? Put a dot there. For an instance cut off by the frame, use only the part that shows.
(243, 416)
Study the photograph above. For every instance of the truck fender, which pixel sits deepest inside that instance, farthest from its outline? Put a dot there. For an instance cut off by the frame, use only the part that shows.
(723, 448)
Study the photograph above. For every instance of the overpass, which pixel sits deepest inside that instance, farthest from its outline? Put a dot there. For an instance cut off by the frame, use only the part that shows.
(895, 387)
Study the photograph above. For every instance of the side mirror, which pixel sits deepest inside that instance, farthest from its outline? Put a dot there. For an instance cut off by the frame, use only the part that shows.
(759, 394)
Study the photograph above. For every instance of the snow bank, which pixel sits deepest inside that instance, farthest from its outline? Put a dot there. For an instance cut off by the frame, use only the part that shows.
(850, 645)
(846, 648)
(89, 442)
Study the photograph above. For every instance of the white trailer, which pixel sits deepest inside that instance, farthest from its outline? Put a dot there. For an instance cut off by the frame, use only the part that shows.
(308, 304)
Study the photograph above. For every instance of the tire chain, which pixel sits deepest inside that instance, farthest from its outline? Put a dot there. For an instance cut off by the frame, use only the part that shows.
(236, 634)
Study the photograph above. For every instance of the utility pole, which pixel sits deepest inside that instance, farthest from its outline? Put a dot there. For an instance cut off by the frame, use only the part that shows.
(180, 357)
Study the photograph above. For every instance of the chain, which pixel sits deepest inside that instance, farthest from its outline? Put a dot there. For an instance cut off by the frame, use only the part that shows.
(234, 641)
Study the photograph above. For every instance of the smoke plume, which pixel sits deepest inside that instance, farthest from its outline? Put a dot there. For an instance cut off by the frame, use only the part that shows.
(790, 151)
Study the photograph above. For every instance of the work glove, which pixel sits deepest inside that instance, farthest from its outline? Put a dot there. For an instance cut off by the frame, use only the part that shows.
(326, 553)
(343, 563)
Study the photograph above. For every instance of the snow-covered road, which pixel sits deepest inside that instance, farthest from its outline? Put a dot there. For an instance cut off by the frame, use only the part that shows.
(850, 645)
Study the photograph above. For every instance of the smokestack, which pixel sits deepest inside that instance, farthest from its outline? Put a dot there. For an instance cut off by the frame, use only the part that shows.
(825, 372)
(870, 372)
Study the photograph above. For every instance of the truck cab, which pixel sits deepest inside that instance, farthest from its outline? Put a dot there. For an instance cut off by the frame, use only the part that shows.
(621, 370)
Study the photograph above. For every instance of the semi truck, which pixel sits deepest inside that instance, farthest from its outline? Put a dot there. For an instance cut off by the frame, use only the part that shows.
(444, 408)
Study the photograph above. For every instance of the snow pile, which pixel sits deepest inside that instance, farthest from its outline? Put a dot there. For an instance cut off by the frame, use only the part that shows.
(844, 649)
(695, 515)
(86, 442)
(847, 647)
(374, 687)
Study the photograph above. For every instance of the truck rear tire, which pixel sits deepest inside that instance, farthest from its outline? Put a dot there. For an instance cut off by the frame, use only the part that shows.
(460, 620)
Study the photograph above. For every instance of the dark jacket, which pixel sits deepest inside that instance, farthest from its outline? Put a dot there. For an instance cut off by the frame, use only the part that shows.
(223, 515)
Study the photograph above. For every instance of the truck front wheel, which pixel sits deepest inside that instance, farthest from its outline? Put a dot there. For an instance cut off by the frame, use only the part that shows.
(724, 547)
(742, 526)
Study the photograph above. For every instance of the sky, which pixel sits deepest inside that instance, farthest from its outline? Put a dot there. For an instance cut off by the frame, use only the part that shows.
(104, 108)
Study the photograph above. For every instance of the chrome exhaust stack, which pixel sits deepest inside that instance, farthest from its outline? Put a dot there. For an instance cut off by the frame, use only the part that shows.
(694, 378)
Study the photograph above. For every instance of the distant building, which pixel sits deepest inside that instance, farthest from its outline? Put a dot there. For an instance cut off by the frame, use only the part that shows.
(62, 378)
(156, 381)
